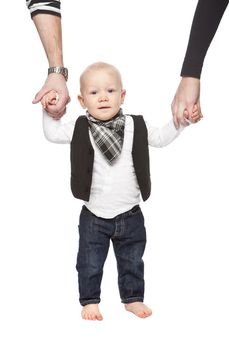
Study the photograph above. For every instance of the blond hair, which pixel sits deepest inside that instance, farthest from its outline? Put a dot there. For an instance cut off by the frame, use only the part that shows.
(99, 66)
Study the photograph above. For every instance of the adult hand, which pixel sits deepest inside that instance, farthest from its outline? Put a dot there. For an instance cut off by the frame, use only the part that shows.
(187, 95)
(55, 82)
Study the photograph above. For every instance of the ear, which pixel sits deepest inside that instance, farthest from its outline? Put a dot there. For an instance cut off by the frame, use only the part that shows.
(123, 94)
(81, 101)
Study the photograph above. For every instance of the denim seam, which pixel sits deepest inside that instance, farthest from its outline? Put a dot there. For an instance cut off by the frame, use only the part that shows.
(132, 300)
(91, 301)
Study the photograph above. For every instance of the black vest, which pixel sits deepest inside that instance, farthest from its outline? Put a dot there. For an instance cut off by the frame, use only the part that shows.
(82, 158)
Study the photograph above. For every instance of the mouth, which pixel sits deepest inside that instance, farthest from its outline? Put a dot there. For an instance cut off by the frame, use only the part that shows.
(104, 107)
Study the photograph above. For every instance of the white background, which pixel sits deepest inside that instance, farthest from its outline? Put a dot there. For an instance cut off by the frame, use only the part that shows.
(186, 259)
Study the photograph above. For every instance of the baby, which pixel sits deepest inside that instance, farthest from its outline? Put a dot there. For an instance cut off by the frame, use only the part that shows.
(109, 171)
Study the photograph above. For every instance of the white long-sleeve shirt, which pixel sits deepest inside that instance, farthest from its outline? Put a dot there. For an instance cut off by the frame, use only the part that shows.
(114, 188)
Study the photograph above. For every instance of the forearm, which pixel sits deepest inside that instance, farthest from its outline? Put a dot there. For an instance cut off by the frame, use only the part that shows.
(56, 131)
(206, 19)
(49, 30)
(160, 137)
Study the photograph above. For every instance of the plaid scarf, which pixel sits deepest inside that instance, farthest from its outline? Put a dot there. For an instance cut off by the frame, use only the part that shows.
(108, 135)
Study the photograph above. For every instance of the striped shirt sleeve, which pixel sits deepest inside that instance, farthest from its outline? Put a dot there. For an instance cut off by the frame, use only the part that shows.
(44, 6)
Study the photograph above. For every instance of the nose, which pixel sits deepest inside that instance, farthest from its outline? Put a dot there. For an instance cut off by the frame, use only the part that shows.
(103, 98)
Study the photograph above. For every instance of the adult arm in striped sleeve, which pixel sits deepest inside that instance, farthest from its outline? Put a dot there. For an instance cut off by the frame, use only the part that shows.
(46, 16)
(206, 20)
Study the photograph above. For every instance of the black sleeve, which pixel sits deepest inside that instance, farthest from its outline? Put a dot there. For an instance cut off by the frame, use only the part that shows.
(44, 6)
(206, 19)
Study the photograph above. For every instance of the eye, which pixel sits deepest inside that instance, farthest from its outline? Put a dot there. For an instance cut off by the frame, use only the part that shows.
(93, 92)
(111, 90)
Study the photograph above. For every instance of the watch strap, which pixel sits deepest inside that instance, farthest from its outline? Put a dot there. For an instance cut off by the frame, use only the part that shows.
(59, 70)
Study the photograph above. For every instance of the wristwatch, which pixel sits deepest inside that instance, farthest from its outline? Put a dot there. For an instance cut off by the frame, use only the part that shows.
(59, 70)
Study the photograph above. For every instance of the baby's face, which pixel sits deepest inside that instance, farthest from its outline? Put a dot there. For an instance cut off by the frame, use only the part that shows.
(101, 93)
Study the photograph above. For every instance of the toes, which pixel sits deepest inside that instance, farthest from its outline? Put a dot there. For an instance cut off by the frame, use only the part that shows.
(99, 317)
(92, 316)
(84, 316)
(147, 313)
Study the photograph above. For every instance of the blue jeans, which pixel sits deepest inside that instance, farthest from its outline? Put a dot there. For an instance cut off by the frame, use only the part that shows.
(128, 235)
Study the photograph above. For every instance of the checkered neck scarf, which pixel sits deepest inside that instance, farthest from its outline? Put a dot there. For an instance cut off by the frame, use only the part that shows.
(108, 135)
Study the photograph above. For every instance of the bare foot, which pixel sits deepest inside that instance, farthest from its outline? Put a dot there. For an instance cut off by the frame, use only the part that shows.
(91, 312)
(139, 309)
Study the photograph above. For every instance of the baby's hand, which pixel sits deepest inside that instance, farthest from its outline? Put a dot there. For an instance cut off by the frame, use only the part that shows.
(51, 98)
(195, 117)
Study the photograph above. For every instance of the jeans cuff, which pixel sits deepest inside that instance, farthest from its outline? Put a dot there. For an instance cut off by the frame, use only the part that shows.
(89, 301)
(132, 300)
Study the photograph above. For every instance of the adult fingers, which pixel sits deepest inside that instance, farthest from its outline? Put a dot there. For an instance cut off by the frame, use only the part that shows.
(40, 95)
